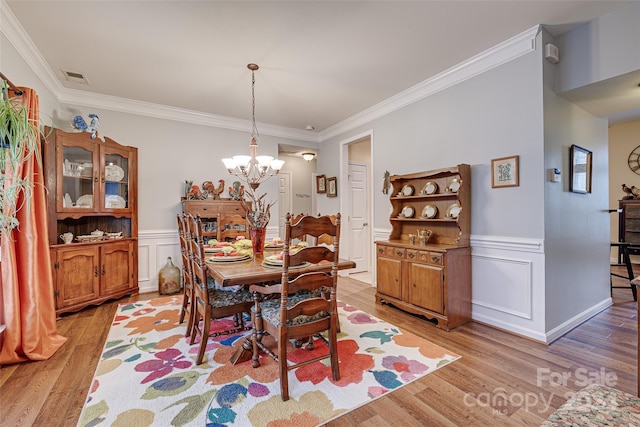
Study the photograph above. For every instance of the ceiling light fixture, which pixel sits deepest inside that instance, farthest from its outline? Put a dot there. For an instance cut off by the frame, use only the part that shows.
(308, 156)
(253, 169)
(309, 127)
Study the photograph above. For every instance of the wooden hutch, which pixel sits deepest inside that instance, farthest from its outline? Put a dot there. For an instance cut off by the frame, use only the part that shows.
(431, 279)
(92, 187)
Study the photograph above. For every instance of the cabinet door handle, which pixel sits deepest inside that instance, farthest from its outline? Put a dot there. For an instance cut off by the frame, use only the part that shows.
(104, 271)
(399, 253)
(95, 179)
(204, 209)
(95, 272)
(435, 259)
(380, 250)
(411, 255)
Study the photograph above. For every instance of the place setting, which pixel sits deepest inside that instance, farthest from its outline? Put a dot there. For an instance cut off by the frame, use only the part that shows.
(275, 261)
(229, 254)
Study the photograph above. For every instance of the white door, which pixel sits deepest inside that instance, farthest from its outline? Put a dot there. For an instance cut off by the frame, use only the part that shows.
(358, 221)
(284, 200)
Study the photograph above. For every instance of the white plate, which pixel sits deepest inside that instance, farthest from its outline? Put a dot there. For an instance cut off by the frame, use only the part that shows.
(113, 173)
(453, 211)
(115, 202)
(408, 212)
(229, 258)
(430, 188)
(429, 211)
(407, 190)
(212, 250)
(85, 201)
(453, 186)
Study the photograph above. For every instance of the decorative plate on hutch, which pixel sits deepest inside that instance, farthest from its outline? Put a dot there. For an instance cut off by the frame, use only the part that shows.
(429, 211)
(430, 188)
(453, 211)
(453, 186)
(407, 190)
(408, 212)
(115, 202)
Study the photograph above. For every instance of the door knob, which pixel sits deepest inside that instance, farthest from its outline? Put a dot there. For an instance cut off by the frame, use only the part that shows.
(365, 224)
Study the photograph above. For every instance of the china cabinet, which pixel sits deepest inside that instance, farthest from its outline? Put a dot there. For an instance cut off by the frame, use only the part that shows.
(222, 219)
(425, 266)
(92, 194)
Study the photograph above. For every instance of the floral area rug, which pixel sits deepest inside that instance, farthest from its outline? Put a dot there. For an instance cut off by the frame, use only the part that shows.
(147, 374)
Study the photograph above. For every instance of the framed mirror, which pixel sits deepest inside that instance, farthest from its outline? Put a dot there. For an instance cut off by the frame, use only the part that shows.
(579, 169)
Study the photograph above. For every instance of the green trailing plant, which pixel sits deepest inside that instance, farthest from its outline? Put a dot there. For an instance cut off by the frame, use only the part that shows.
(19, 140)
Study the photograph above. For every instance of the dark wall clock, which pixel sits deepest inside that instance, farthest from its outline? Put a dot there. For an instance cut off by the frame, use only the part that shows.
(634, 160)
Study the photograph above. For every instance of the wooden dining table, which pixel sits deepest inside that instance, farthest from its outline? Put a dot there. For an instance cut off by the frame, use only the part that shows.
(252, 272)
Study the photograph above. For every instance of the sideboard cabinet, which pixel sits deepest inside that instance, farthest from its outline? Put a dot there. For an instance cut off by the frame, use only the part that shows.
(431, 278)
(222, 219)
(92, 193)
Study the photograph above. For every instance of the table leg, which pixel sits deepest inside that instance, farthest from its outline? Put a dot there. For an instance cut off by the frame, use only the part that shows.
(243, 352)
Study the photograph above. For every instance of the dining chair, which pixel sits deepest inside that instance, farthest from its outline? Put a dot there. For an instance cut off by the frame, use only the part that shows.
(234, 225)
(307, 304)
(187, 277)
(209, 301)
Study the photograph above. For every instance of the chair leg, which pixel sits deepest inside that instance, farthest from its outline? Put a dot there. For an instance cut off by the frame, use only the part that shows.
(196, 324)
(255, 337)
(333, 349)
(192, 310)
(284, 371)
(205, 335)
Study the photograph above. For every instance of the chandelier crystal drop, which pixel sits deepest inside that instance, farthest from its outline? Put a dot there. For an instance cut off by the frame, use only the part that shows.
(253, 169)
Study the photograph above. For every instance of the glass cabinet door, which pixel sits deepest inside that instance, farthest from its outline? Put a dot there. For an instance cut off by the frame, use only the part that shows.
(116, 180)
(78, 179)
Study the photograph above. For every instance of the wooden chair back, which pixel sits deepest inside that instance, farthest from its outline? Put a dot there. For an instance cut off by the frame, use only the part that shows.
(198, 263)
(232, 226)
(184, 236)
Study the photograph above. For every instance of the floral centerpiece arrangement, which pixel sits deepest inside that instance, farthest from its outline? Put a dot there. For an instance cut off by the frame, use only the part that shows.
(258, 216)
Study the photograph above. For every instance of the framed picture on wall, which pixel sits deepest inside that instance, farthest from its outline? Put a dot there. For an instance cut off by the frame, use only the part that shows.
(332, 187)
(321, 184)
(504, 172)
(579, 170)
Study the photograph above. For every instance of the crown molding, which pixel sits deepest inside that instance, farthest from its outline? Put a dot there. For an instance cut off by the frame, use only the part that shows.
(506, 51)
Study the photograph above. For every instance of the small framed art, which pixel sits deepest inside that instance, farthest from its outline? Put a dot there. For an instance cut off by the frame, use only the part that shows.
(321, 184)
(579, 170)
(504, 172)
(332, 187)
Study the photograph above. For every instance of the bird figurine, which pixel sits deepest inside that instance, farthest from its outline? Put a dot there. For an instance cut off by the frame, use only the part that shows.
(92, 127)
(628, 191)
(194, 193)
(635, 191)
(236, 192)
(213, 191)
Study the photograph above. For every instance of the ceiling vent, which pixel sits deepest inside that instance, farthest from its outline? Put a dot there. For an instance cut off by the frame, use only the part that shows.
(74, 77)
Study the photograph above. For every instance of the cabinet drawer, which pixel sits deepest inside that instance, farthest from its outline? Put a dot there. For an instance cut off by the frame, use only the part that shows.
(232, 208)
(201, 208)
(392, 252)
(426, 257)
(632, 211)
(436, 258)
(632, 224)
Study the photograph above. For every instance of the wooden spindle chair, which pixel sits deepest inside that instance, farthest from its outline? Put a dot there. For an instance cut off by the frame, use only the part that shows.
(187, 277)
(303, 310)
(210, 302)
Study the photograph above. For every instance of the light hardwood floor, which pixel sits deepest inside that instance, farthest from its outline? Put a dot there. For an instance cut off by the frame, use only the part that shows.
(501, 379)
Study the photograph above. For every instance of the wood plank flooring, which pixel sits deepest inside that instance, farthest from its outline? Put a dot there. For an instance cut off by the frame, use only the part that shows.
(501, 380)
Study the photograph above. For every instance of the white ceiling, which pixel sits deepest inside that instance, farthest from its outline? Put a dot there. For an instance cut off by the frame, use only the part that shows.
(321, 62)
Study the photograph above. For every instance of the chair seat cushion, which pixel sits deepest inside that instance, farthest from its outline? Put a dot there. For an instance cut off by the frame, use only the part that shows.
(219, 298)
(271, 309)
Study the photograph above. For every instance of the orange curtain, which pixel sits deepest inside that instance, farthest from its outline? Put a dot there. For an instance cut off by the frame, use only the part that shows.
(27, 303)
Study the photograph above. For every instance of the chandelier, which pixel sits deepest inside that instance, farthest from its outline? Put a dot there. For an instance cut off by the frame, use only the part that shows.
(253, 169)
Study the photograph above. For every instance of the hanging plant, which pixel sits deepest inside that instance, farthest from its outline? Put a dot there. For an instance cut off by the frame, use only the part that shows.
(19, 140)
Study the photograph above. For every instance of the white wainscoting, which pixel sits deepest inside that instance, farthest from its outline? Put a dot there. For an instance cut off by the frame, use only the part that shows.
(508, 284)
(155, 246)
